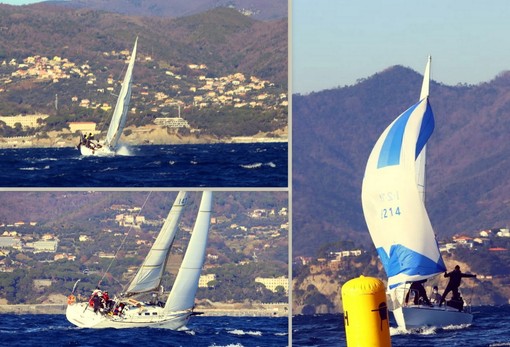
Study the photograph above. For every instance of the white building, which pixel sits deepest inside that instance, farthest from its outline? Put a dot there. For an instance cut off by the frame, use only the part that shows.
(205, 279)
(172, 122)
(271, 283)
(45, 246)
(83, 127)
(28, 121)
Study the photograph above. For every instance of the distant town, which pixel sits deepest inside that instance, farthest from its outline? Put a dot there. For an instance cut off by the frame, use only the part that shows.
(178, 89)
(317, 280)
(24, 242)
(486, 241)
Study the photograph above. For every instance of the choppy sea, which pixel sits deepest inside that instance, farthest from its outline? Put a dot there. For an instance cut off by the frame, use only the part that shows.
(201, 165)
(55, 330)
(490, 328)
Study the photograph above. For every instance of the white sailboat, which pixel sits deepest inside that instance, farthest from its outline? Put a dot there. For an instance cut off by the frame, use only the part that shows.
(108, 147)
(178, 308)
(393, 199)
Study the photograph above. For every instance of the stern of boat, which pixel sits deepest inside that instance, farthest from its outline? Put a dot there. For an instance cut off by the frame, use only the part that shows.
(419, 316)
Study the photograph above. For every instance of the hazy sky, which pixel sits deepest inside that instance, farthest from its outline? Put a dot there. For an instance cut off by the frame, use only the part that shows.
(19, 2)
(336, 42)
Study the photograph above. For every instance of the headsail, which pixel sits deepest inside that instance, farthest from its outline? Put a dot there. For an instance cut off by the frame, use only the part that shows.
(149, 275)
(393, 208)
(121, 108)
(182, 295)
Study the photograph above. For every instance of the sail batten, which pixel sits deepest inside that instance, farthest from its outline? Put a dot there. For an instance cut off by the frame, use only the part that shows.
(149, 275)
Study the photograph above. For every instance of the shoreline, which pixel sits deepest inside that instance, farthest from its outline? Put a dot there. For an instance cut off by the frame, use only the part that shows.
(10, 145)
(148, 135)
(276, 310)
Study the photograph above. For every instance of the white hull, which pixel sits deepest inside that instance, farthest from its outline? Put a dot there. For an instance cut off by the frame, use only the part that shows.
(83, 316)
(411, 317)
(100, 152)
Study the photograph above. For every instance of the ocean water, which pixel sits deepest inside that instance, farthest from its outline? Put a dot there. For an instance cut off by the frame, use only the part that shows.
(55, 330)
(204, 165)
(490, 328)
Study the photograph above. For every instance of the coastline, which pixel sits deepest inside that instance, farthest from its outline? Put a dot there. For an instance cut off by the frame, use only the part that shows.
(233, 310)
(146, 135)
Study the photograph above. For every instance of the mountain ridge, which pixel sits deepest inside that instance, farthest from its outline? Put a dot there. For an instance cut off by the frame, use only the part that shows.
(262, 9)
(336, 128)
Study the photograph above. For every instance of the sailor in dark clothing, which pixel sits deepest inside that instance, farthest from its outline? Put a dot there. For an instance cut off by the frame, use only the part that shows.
(97, 302)
(420, 295)
(454, 283)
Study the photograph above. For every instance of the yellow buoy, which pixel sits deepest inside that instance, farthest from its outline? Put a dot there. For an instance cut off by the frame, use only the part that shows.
(366, 316)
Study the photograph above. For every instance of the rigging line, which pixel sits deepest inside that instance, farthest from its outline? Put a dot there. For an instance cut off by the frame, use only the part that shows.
(123, 241)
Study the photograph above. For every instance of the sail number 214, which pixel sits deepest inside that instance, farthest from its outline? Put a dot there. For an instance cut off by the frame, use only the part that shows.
(390, 197)
(390, 212)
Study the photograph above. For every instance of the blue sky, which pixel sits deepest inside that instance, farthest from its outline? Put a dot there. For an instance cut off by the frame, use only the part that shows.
(337, 42)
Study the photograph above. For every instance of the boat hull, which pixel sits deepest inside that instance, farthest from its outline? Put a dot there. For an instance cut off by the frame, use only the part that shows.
(411, 317)
(99, 152)
(83, 316)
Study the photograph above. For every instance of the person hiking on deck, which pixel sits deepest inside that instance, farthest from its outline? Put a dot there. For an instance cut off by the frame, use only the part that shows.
(454, 283)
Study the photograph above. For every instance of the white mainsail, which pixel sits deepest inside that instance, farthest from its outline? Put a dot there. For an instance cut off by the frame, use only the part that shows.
(421, 160)
(393, 202)
(121, 108)
(149, 275)
(182, 295)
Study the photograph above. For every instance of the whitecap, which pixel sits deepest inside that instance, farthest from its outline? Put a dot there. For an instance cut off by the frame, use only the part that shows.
(31, 168)
(455, 327)
(252, 166)
(418, 331)
(242, 332)
(124, 151)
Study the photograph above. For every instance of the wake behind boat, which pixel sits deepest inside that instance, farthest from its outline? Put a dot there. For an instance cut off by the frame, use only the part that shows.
(127, 311)
(88, 145)
(393, 199)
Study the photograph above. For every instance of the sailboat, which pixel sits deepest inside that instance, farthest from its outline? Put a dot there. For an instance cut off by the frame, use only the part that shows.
(108, 147)
(393, 200)
(174, 314)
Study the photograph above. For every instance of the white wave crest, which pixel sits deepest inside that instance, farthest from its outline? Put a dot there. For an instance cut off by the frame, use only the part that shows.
(242, 332)
(124, 151)
(258, 165)
(417, 331)
(34, 168)
(252, 166)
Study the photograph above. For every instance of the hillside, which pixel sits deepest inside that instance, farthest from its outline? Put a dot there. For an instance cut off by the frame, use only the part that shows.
(59, 237)
(261, 9)
(218, 59)
(468, 160)
(221, 38)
